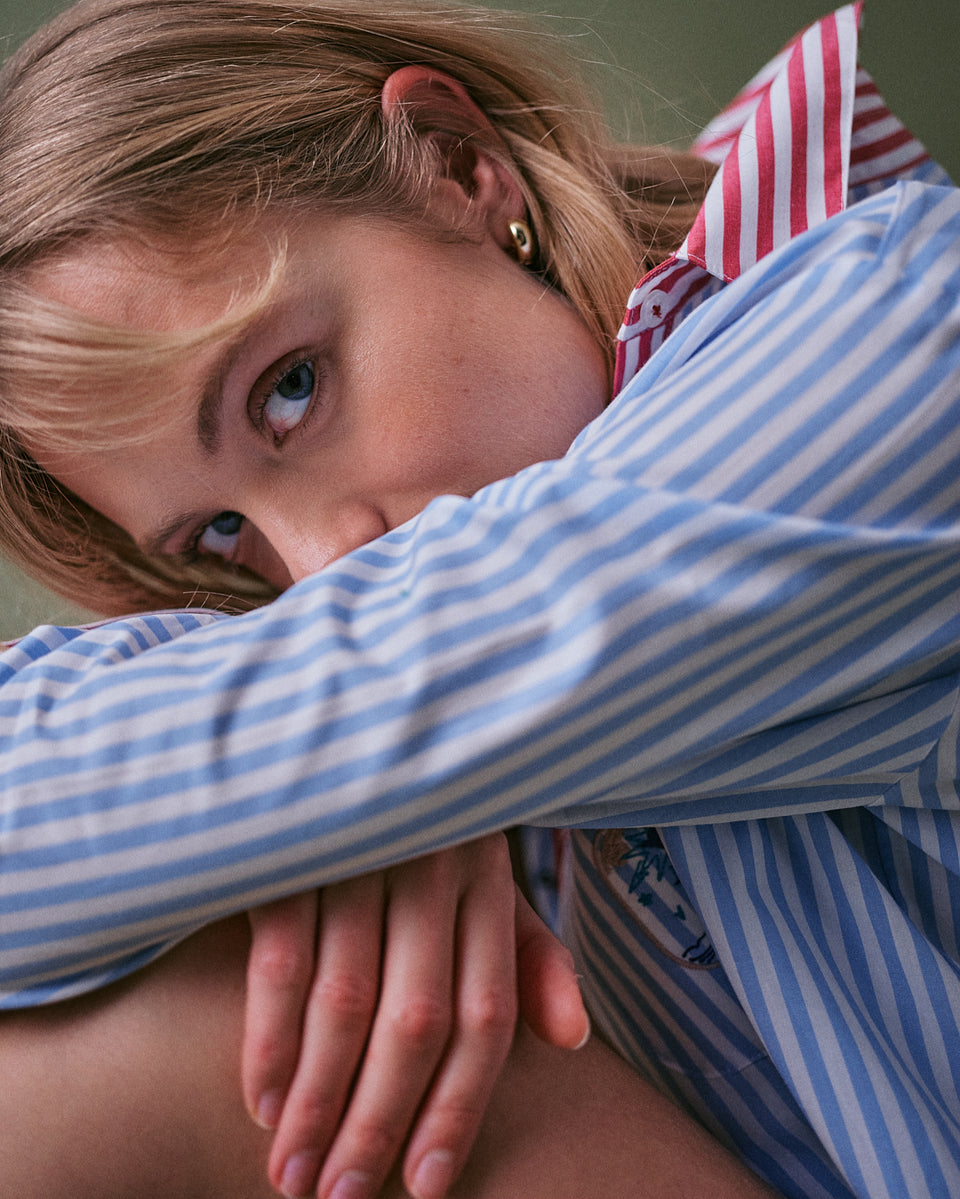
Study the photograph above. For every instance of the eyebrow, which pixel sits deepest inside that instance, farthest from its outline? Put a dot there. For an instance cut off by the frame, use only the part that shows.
(208, 414)
(211, 397)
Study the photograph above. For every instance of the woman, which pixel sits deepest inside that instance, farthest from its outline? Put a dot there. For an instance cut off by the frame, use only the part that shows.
(727, 612)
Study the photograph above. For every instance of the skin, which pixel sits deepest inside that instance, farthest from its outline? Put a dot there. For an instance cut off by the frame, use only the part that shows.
(132, 1091)
(409, 401)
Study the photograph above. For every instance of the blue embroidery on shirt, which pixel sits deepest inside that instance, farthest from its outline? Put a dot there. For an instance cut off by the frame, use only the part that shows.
(636, 866)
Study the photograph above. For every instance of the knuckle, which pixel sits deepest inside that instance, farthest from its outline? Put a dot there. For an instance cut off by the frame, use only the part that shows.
(421, 1021)
(456, 1121)
(279, 964)
(346, 997)
(374, 1142)
(490, 1013)
(265, 1053)
(312, 1109)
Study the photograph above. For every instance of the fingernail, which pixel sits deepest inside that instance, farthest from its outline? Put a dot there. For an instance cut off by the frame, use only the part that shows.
(299, 1175)
(269, 1109)
(434, 1175)
(586, 1036)
(353, 1185)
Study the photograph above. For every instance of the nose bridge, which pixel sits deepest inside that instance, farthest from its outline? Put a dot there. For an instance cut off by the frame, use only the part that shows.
(307, 536)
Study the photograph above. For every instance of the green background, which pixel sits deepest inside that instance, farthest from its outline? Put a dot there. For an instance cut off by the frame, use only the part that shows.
(663, 69)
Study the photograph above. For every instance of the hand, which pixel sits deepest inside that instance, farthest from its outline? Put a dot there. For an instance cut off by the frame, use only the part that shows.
(439, 1015)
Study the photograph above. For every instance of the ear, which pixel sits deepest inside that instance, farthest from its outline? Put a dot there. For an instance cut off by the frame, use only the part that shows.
(476, 183)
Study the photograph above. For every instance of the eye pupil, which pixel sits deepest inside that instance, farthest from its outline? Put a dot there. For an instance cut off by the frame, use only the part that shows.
(297, 384)
(227, 524)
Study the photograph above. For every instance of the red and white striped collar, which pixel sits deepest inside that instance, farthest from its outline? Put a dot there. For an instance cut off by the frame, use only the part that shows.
(808, 134)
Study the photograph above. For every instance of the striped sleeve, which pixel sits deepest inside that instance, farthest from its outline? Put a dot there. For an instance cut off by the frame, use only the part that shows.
(736, 594)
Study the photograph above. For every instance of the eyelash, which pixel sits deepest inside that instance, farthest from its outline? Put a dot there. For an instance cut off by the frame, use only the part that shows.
(286, 368)
(192, 552)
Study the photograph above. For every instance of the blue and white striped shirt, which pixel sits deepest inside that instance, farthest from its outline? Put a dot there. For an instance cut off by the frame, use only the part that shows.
(729, 612)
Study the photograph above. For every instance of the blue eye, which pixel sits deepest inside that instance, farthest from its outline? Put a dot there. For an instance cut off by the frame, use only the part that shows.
(287, 403)
(220, 535)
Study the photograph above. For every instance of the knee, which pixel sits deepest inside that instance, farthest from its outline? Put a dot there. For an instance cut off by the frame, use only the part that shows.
(136, 1089)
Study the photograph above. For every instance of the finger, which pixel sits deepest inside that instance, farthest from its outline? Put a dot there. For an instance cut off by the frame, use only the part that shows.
(550, 999)
(410, 1031)
(486, 1021)
(279, 972)
(339, 1012)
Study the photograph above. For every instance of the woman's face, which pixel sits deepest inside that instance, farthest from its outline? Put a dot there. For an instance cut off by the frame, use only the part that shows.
(386, 369)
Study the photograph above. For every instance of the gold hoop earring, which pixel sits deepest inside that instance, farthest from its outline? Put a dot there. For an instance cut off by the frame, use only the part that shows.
(522, 237)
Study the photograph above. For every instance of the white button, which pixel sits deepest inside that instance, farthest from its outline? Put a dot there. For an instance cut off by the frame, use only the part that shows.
(653, 309)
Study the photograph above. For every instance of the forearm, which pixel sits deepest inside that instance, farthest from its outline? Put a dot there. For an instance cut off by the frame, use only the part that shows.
(604, 640)
(136, 1091)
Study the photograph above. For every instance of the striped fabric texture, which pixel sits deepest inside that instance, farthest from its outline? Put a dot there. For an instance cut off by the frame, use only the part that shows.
(809, 134)
(719, 642)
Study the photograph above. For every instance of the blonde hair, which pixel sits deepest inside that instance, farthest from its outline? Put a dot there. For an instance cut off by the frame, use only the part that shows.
(133, 120)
